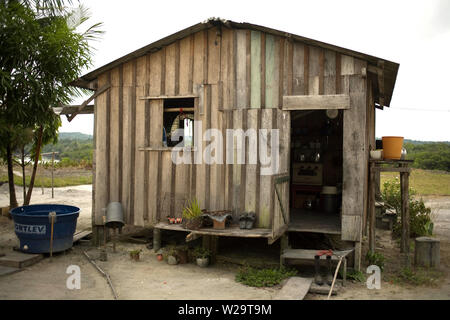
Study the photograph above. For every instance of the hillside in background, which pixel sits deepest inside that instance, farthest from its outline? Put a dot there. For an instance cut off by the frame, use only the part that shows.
(72, 148)
(74, 136)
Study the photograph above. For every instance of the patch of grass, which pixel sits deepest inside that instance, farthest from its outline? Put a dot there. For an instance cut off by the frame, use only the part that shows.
(356, 275)
(419, 277)
(375, 258)
(425, 182)
(46, 182)
(263, 277)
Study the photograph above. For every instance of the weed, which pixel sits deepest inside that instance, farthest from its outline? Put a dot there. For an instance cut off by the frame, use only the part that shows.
(356, 275)
(263, 277)
(375, 258)
(418, 277)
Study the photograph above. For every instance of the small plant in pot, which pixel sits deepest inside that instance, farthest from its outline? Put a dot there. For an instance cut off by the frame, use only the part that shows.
(202, 256)
(192, 215)
(134, 254)
(172, 257)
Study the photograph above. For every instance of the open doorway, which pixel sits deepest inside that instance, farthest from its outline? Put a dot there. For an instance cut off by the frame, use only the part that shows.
(316, 171)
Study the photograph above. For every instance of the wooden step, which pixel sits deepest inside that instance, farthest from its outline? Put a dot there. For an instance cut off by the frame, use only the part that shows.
(324, 289)
(20, 260)
(294, 289)
(8, 270)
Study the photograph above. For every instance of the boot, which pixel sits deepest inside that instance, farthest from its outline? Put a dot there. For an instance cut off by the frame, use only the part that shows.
(317, 277)
(329, 271)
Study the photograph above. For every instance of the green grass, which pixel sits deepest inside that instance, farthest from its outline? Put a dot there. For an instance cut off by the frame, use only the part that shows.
(419, 277)
(263, 277)
(46, 182)
(425, 182)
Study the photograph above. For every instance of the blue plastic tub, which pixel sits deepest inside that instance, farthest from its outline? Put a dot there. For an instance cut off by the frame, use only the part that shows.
(33, 227)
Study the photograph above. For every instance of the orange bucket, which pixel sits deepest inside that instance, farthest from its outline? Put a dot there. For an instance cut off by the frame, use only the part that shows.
(392, 147)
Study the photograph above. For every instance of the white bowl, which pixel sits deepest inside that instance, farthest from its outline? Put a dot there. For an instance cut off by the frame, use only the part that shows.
(376, 154)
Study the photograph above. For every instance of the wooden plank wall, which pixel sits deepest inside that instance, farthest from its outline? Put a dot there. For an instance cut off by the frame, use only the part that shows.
(240, 77)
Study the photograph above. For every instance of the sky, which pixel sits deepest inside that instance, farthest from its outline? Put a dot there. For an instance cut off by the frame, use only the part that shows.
(415, 34)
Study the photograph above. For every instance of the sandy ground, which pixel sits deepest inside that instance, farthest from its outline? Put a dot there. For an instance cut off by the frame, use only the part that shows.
(152, 279)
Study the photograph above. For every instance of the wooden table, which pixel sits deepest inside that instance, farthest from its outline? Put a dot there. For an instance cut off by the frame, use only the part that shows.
(401, 166)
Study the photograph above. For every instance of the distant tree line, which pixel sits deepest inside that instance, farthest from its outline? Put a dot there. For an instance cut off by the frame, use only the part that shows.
(429, 155)
(72, 151)
(75, 149)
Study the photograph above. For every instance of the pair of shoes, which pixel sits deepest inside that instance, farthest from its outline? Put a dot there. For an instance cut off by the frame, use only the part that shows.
(246, 220)
(318, 278)
(243, 220)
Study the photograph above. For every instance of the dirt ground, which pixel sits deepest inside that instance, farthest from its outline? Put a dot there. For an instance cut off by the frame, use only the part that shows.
(152, 279)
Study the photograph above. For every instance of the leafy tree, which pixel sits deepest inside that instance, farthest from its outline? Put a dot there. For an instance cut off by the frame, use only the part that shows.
(41, 51)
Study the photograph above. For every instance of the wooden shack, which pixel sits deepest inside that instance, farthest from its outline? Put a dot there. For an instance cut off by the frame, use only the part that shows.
(230, 75)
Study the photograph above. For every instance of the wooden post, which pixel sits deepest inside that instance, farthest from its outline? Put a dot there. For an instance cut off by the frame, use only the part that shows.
(156, 239)
(372, 208)
(211, 243)
(404, 184)
(284, 244)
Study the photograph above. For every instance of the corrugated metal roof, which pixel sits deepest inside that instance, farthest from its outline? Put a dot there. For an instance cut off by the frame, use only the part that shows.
(390, 69)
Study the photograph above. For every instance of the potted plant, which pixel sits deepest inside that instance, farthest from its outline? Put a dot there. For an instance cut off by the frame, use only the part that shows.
(202, 256)
(192, 215)
(159, 255)
(172, 257)
(134, 254)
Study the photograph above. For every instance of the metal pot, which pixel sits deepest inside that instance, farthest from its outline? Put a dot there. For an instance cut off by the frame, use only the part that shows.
(114, 215)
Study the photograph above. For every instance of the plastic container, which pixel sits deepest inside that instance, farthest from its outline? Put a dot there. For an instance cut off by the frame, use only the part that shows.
(392, 147)
(329, 199)
(33, 227)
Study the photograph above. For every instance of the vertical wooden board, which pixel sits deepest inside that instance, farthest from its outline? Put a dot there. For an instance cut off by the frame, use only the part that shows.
(227, 68)
(139, 192)
(126, 138)
(198, 80)
(155, 73)
(229, 166)
(156, 120)
(101, 187)
(198, 58)
(241, 68)
(354, 155)
(237, 187)
(165, 196)
(200, 184)
(255, 98)
(114, 137)
(358, 65)
(272, 71)
(314, 60)
(170, 69)
(181, 192)
(329, 72)
(185, 58)
(215, 77)
(266, 195)
(298, 68)
(351, 228)
(287, 67)
(284, 127)
(250, 169)
(347, 65)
